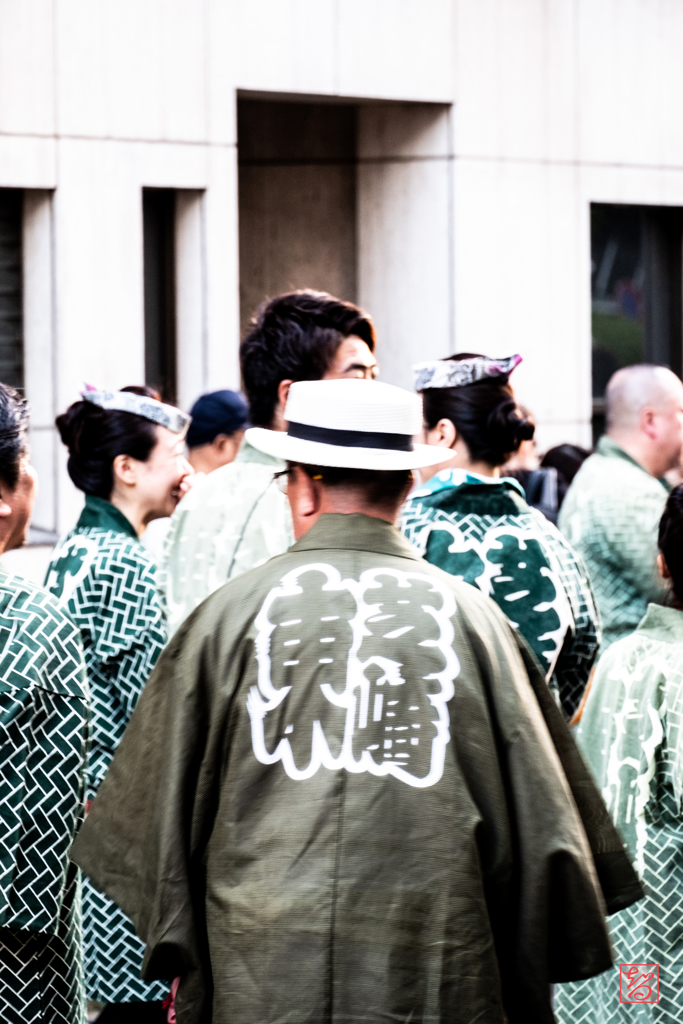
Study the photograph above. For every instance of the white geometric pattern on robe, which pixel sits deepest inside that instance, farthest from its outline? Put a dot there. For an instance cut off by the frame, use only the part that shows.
(113, 953)
(41, 976)
(107, 581)
(381, 721)
(499, 547)
(43, 747)
(643, 789)
(574, 660)
(76, 556)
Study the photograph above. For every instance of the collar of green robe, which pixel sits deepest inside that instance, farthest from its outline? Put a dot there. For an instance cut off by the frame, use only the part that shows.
(446, 478)
(662, 623)
(611, 450)
(248, 453)
(99, 514)
(355, 532)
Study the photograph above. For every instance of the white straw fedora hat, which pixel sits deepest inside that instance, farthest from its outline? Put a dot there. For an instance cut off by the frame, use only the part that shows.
(354, 424)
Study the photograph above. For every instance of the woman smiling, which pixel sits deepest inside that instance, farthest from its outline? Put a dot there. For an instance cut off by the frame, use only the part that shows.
(126, 455)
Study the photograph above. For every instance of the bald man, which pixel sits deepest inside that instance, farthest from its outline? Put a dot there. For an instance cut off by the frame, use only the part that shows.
(613, 507)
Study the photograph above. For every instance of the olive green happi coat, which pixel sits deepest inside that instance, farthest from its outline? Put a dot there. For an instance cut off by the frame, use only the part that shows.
(338, 800)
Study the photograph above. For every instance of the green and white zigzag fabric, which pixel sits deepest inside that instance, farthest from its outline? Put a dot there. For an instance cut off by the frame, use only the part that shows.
(231, 521)
(107, 581)
(41, 976)
(43, 750)
(481, 530)
(631, 734)
(611, 516)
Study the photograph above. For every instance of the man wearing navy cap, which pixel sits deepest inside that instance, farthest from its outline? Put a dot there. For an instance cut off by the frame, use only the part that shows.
(218, 423)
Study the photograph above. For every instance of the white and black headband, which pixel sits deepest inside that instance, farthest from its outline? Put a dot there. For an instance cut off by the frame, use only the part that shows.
(164, 415)
(456, 373)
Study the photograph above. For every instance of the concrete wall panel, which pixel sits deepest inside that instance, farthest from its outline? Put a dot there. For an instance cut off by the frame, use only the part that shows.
(285, 47)
(222, 270)
(98, 230)
(396, 49)
(27, 161)
(27, 66)
(190, 273)
(405, 236)
(80, 68)
(39, 349)
(631, 81)
(297, 200)
(516, 79)
(523, 283)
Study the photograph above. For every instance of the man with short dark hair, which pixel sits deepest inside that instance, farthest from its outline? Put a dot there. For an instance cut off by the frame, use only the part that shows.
(217, 430)
(43, 745)
(236, 518)
(338, 799)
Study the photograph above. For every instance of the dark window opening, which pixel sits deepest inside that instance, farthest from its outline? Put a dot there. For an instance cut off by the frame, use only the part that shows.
(11, 319)
(297, 199)
(636, 292)
(158, 214)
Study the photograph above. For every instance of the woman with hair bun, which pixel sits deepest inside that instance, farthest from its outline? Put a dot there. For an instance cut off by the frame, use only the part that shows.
(631, 734)
(477, 525)
(126, 455)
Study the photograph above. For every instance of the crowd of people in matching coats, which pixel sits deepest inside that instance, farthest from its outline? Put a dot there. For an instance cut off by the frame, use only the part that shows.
(595, 604)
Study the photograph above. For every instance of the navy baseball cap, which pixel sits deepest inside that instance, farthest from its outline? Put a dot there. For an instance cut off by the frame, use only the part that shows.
(220, 412)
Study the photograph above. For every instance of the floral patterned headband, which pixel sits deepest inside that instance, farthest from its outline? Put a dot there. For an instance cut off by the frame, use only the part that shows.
(449, 373)
(167, 416)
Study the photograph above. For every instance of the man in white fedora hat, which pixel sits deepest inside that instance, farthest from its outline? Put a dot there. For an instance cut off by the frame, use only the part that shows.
(338, 799)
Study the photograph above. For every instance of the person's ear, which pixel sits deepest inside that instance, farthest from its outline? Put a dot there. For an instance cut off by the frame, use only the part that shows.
(443, 434)
(663, 567)
(219, 442)
(5, 509)
(308, 494)
(413, 478)
(123, 470)
(282, 393)
(648, 423)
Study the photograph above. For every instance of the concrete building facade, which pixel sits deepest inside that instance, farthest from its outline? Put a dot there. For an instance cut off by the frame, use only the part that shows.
(177, 161)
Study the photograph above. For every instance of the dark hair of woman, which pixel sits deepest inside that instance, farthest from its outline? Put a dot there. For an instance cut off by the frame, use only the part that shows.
(95, 436)
(13, 427)
(670, 541)
(484, 414)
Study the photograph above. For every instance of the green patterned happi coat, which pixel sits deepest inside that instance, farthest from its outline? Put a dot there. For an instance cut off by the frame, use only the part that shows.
(43, 750)
(481, 530)
(611, 516)
(107, 581)
(231, 521)
(632, 737)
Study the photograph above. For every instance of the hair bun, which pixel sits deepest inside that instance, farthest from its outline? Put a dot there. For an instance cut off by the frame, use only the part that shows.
(526, 430)
(70, 424)
(507, 428)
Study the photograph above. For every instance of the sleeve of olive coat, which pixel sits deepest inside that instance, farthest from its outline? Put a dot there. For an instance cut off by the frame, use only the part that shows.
(547, 915)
